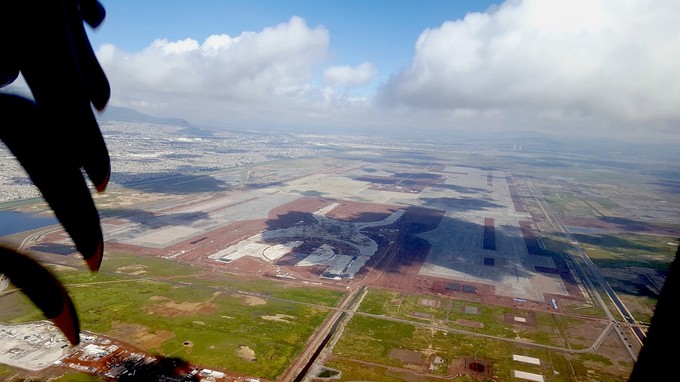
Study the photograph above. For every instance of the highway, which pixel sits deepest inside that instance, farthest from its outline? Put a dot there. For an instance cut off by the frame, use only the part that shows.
(323, 335)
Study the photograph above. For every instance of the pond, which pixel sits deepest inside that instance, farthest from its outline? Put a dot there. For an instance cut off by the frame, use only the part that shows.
(12, 222)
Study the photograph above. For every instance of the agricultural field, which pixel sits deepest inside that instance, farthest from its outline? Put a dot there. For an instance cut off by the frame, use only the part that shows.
(385, 339)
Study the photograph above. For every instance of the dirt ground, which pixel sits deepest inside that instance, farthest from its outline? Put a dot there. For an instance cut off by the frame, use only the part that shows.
(397, 262)
(395, 265)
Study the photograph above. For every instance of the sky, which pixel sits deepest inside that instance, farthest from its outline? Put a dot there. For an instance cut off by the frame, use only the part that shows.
(575, 67)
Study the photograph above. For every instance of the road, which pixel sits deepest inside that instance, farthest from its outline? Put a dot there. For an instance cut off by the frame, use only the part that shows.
(594, 271)
(321, 337)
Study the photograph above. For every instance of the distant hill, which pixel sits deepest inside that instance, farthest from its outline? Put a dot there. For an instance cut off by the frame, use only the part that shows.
(125, 114)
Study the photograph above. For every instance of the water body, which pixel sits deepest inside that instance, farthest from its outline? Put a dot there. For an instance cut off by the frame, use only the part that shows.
(12, 222)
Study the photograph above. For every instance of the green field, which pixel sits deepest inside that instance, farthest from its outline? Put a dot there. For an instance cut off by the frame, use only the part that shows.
(474, 317)
(384, 322)
(159, 311)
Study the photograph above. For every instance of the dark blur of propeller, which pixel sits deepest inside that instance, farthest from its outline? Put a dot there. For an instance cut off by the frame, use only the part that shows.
(55, 136)
(61, 183)
(65, 77)
(657, 356)
(45, 290)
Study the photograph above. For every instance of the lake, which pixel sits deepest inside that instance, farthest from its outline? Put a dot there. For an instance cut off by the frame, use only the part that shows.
(12, 222)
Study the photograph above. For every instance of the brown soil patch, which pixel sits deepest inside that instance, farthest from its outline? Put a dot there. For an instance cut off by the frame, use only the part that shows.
(170, 308)
(472, 324)
(404, 355)
(429, 302)
(254, 300)
(361, 212)
(139, 335)
(246, 353)
(475, 367)
(136, 269)
(278, 317)
(527, 318)
(247, 265)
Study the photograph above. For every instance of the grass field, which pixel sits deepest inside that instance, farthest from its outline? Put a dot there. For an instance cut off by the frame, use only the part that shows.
(367, 343)
(384, 322)
(160, 313)
(499, 321)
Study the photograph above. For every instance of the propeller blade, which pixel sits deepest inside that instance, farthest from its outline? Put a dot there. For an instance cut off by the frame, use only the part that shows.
(43, 289)
(65, 79)
(38, 148)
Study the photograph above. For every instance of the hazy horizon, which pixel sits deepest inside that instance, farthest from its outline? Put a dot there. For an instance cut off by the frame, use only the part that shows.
(566, 68)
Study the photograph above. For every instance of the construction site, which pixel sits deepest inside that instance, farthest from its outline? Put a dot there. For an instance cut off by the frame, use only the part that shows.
(456, 232)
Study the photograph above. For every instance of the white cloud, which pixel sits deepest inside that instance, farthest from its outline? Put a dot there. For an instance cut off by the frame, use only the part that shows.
(362, 74)
(609, 62)
(529, 64)
(220, 73)
(167, 48)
